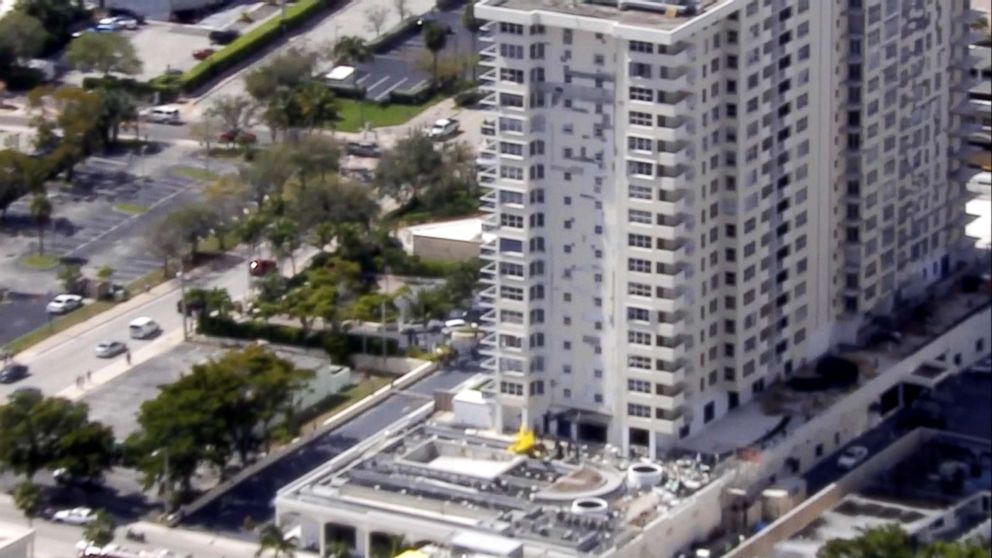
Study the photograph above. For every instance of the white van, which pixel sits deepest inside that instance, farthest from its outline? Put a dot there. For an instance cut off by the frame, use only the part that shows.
(163, 115)
(143, 328)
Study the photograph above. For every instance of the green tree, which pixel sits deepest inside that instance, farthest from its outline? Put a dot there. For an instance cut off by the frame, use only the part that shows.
(435, 39)
(193, 223)
(78, 116)
(56, 16)
(105, 273)
(268, 174)
(100, 531)
(167, 240)
(22, 34)
(891, 541)
(408, 169)
(12, 182)
(104, 53)
(39, 432)
(235, 112)
(369, 307)
(351, 50)
(284, 238)
(285, 72)
(117, 107)
(328, 206)
(315, 156)
(69, 276)
(27, 499)
(272, 541)
(41, 214)
(251, 231)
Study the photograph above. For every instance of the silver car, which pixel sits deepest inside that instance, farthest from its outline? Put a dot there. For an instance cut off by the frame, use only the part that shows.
(109, 349)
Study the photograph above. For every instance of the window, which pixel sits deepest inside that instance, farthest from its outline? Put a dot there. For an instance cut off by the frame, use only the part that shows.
(640, 386)
(640, 168)
(511, 100)
(511, 75)
(635, 192)
(638, 265)
(636, 410)
(511, 28)
(640, 69)
(511, 51)
(635, 143)
(511, 293)
(639, 338)
(638, 314)
(511, 197)
(638, 216)
(509, 148)
(513, 221)
(640, 118)
(511, 317)
(513, 173)
(641, 362)
(641, 94)
(641, 46)
(511, 269)
(511, 125)
(511, 388)
(639, 240)
(638, 289)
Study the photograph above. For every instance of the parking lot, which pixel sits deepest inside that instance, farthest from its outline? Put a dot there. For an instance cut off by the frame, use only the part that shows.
(116, 402)
(165, 46)
(402, 67)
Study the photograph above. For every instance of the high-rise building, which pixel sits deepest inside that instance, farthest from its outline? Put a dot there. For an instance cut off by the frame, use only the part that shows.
(693, 199)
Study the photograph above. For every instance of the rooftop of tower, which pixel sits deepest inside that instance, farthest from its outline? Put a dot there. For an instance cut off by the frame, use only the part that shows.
(662, 14)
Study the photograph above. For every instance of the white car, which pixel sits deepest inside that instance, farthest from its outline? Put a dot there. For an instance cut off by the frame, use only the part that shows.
(108, 349)
(852, 456)
(64, 303)
(443, 128)
(74, 516)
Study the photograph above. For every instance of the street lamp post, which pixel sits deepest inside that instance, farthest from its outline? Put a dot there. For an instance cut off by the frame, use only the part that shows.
(182, 298)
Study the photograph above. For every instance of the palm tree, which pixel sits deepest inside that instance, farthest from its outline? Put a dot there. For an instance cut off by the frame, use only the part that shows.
(434, 39)
(41, 212)
(273, 540)
(473, 25)
(351, 50)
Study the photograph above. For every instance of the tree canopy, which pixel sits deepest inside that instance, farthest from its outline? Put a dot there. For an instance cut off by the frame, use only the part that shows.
(38, 432)
(104, 53)
(892, 542)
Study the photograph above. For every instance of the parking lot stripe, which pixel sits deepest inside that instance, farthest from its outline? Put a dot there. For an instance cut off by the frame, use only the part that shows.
(376, 84)
(389, 89)
(122, 223)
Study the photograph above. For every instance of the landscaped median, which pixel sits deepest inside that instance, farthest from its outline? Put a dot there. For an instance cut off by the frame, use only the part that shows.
(242, 47)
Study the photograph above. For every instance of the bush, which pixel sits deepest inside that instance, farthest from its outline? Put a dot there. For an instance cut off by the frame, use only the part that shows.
(19, 78)
(468, 97)
(252, 42)
(414, 96)
(141, 89)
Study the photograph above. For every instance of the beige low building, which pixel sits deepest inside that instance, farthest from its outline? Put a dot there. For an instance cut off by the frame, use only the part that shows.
(16, 542)
(456, 240)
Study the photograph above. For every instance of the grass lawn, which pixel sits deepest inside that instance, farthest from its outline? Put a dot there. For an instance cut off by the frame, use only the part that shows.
(57, 325)
(148, 280)
(193, 173)
(39, 262)
(351, 113)
(130, 208)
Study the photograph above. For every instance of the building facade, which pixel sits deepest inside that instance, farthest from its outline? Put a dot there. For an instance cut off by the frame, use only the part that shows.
(692, 200)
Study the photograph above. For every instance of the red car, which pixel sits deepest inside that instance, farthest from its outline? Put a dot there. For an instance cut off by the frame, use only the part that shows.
(238, 136)
(259, 268)
(203, 53)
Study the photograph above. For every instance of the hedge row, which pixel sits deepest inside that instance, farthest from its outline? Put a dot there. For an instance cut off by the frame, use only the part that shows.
(250, 43)
(339, 346)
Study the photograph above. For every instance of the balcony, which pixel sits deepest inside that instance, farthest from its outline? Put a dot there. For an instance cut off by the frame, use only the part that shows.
(674, 82)
(671, 424)
(487, 297)
(673, 129)
(671, 277)
(487, 202)
(672, 202)
(675, 302)
(670, 398)
(673, 153)
(676, 58)
(671, 229)
(672, 350)
(487, 251)
(487, 275)
(672, 179)
(671, 324)
(675, 107)
(671, 251)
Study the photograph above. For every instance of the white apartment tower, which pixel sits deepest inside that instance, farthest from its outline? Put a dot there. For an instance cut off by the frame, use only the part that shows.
(692, 199)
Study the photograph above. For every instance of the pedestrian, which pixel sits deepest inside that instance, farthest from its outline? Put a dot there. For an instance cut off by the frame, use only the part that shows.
(79, 381)
(127, 356)
(89, 375)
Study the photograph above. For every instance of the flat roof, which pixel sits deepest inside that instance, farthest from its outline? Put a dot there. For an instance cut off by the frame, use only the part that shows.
(340, 73)
(464, 230)
(645, 13)
(468, 480)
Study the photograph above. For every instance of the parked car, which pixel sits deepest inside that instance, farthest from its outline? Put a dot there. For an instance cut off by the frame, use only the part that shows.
(143, 328)
(64, 303)
(12, 372)
(128, 23)
(363, 149)
(64, 477)
(223, 37)
(238, 136)
(109, 349)
(203, 53)
(852, 456)
(163, 114)
(259, 268)
(443, 128)
(74, 516)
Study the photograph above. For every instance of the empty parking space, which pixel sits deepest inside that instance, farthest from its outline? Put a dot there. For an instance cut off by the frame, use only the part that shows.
(407, 65)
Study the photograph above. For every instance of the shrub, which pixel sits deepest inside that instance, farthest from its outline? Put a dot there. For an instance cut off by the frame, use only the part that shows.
(19, 78)
(468, 97)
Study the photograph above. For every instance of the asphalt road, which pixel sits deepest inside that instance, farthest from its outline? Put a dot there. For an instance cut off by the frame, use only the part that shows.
(21, 313)
(55, 369)
(254, 497)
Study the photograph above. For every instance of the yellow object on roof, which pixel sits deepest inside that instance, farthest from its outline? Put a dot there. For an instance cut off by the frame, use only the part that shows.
(412, 554)
(523, 442)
